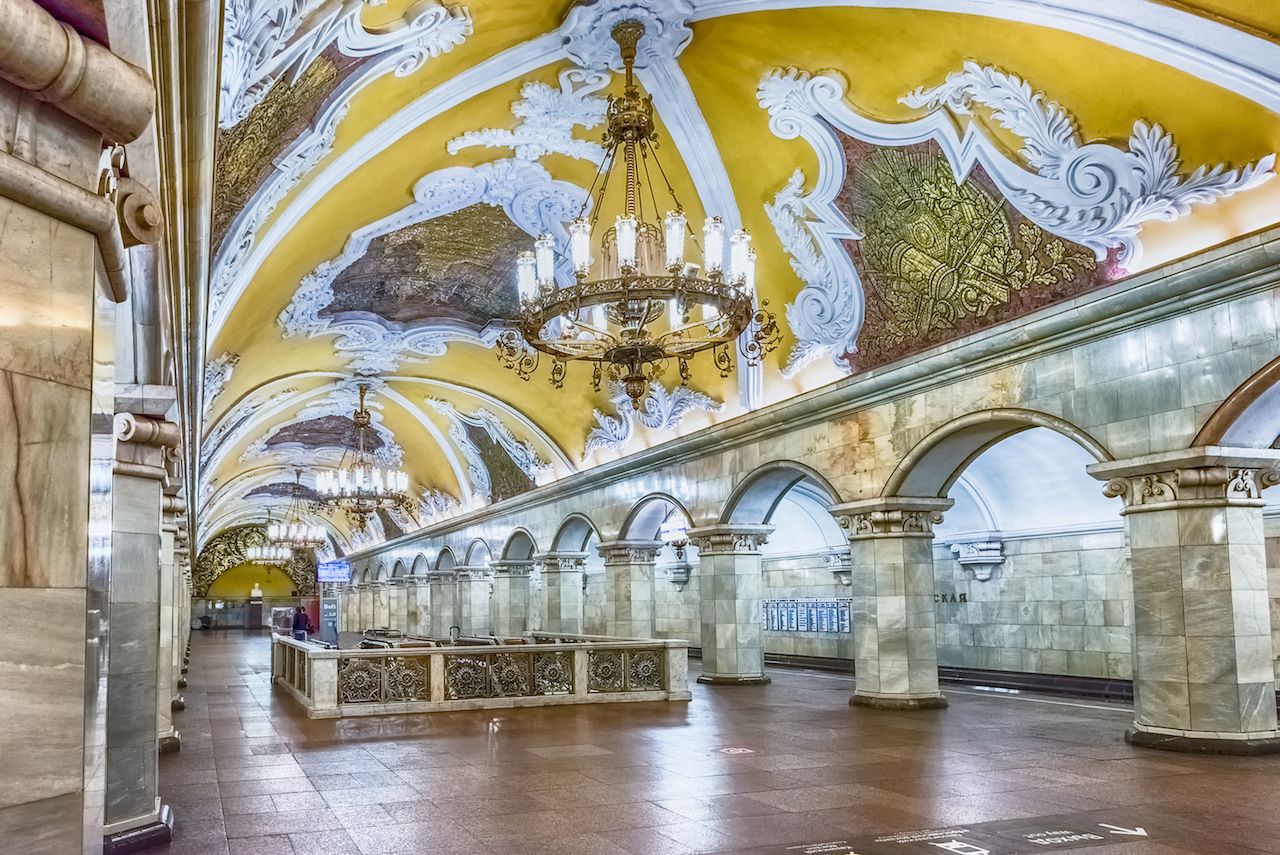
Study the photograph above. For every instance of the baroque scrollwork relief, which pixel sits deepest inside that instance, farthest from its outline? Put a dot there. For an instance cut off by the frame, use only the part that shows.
(499, 464)
(1094, 195)
(661, 411)
(1209, 484)
(228, 549)
(217, 374)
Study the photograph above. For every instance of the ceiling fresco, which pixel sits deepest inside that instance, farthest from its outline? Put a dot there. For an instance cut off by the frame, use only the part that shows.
(910, 175)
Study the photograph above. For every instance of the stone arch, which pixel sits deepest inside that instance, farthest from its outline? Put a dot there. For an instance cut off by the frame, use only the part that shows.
(421, 564)
(382, 572)
(757, 496)
(446, 560)
(520, 546)
(398, 569)
(1250, 416)
(574, 534)
(646, 516)
(478, 553)
(933, 465)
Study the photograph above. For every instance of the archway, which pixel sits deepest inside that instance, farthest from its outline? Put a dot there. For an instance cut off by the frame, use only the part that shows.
(478, 554)
(1250, 416)
(574, 534)
(520, 546)
(445, 561)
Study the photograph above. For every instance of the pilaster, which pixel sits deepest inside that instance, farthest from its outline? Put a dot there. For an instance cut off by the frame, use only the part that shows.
(562, 580)
(891, 583)
(730, 591)
(628, 579)
(1203, 678)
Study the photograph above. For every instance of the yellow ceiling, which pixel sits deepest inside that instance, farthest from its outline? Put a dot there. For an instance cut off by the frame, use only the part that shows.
(883, 54)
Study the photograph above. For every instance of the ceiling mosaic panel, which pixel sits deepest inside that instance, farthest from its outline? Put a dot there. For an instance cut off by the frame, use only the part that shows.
(940, 260)
(324, 432)
(506, 478)
(282, 490)
(458, 266)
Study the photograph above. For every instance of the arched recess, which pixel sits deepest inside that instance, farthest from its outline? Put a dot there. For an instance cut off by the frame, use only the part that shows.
(381, 575)
(933, 465)
(574, 534)
(520, 546)
(446, 561)
(1250, 416)
(793, 497)
(421, 565)
(478, 553)
(645, 520)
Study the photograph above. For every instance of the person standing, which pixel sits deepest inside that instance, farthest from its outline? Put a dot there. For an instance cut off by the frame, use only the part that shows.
(300, 624)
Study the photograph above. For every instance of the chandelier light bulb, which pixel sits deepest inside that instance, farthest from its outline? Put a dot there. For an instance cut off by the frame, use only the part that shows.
(673, 312)
(625, 229)
(580, 246)
(673, 226)
(739, 250)
(749, 273)
(713, 244)
(544, 255)
(526, 275)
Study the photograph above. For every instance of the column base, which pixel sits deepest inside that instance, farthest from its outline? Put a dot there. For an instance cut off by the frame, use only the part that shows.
(171, 743)
(159, 832)
(178, 704)
(880, 702)
(1206, 744)
(730, 680)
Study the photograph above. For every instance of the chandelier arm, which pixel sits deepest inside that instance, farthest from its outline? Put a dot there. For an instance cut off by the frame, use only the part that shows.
(688, 227)
(611, 158)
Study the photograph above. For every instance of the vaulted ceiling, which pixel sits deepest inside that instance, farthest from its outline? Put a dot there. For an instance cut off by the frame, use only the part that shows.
(379, 166)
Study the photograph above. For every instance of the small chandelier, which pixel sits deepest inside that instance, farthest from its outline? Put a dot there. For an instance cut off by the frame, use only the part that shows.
(644, 304)
(360, 486)
(268, 554)
(292, 531)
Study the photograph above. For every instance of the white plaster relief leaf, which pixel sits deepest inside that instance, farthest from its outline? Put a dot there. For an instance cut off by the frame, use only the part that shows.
(661, 411)
(1094, 194)
(217, 374)
(548, 117)
(587, 31)
(523, 454)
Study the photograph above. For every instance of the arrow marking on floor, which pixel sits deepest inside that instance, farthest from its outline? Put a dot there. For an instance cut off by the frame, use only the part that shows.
(1136, 831)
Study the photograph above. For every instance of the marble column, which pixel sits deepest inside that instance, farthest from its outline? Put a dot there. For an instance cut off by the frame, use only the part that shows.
(348, 603)
(171, 631)
(895, 640)
(381, 604)
(474, 591)
(562, 580)
(510, 606)
(628, 585)
(418, 605)
(444, 603)
(398, 605)
(731, 584)
(366, 605)
(133, 810)
(1203, 679)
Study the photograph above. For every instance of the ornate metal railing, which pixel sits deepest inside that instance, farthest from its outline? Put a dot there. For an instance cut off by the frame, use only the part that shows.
(547, 670)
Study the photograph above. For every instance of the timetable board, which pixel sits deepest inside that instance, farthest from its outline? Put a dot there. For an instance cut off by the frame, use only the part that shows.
(806, 615)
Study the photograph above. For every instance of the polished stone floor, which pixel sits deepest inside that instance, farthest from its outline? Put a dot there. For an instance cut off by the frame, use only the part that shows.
(746, 770)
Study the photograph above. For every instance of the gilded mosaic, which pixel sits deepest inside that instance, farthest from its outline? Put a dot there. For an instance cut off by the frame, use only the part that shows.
(506, 479)
(324, 432)
(939, 260)
(282, 489)
(247, 153)
(227, 550)
(458, 266)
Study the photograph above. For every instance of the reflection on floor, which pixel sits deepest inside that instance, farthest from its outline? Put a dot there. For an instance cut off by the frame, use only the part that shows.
(747, 770)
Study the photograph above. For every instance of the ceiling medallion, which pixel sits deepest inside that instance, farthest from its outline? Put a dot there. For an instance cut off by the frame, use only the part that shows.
(647, 305)
(292, 531)
(359, 485)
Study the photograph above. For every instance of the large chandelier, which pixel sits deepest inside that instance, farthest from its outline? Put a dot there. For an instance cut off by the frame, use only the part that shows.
(359, 485)
(292, 531)
(644, 304)
(271, 554)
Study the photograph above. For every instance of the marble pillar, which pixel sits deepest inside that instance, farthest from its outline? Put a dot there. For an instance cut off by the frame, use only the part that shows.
(510, 606)
(418, 605)
(398, 605)
(562, 581)
(170, 630)
(444, 603)
(895, 641)
(475, 588)
(381, 617)
(133, 809)
(348, 599)
(731, 585)
(366, 605)
(628, 581)
(1203, 679)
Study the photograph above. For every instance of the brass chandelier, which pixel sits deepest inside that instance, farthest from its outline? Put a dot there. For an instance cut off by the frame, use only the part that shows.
(293, 531)
(359, 485)
(646, 305)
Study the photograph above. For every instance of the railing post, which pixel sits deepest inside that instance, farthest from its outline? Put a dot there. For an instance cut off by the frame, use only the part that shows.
(677, 675)
(580, 672)
(437, 676)
(323, 692)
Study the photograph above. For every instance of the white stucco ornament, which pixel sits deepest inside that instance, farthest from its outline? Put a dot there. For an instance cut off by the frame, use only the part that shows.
(661, 411)
(587, 31)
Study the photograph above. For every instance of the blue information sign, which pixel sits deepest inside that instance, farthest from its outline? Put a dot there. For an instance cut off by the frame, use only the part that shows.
(333, 571)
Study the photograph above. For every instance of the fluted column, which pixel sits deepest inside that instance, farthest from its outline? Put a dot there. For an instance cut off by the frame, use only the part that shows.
(133, 807)
(895, 640)
(628, 581)
(730, 588)
(510, 606)
(562, 580)
(444, 603)
(1203, 679)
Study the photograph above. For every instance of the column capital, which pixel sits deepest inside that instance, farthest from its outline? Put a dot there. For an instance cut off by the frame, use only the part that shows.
(475, 571)
(561, 562)
(1207, 476)
(512, 567)
(728, 539)
(630, 551)
(141, 443)
(890, 516)
(418, 579)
